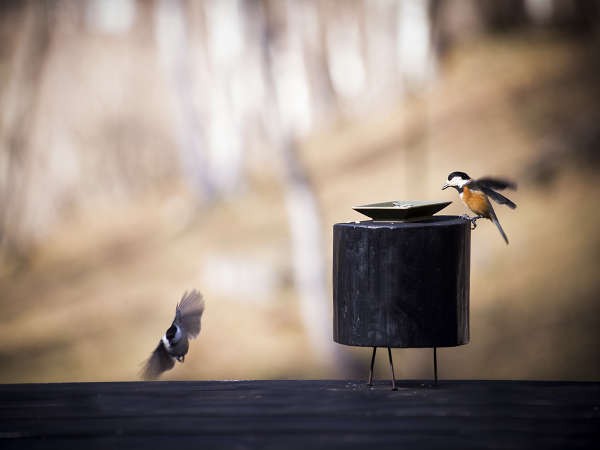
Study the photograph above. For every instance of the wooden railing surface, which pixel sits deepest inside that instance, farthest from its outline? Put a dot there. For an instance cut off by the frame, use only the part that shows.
(304, 415)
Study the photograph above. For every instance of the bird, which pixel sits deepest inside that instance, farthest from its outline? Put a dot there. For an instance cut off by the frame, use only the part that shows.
(174, 345)
(476, 194)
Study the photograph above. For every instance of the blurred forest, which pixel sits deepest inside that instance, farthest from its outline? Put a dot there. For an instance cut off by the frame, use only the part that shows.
(152, 147)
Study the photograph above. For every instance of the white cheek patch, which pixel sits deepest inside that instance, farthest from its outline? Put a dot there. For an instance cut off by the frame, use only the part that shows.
(458, 181)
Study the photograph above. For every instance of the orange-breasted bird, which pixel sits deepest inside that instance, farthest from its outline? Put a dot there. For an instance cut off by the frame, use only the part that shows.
(476, 195)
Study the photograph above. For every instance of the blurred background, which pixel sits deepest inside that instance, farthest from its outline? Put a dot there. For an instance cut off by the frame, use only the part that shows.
(152, 147)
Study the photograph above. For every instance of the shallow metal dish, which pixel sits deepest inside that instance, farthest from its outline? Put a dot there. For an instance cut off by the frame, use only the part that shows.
(400, 209)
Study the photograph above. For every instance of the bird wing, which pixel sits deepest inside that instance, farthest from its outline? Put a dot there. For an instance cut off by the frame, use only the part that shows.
(498, 198)
(486, 185)
(160, 361)
(188, 313)
(496, 183)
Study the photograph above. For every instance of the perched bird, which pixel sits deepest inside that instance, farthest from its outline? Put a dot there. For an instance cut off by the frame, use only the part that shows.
(174, 344)
(476, 195)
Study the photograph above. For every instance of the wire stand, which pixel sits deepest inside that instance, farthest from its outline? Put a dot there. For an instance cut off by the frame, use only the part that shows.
(435, 375)
(391, 367)
(372, 364)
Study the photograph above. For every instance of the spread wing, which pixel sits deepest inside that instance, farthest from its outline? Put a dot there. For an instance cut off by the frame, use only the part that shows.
(160, 361)
(498, 198)
(487, 186)
(496, 183)
(189, 312)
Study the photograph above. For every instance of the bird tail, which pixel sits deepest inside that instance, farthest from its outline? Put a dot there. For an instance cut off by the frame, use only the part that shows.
(495, 220)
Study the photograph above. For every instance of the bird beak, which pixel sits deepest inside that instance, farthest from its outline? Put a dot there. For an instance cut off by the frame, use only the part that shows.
(446, 185)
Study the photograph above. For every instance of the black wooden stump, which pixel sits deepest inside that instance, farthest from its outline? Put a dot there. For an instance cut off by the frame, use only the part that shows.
(402, 284)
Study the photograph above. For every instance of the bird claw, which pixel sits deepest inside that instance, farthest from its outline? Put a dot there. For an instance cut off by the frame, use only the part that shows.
(474, 221)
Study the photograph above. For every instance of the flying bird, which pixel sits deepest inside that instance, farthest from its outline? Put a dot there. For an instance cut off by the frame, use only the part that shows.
(476, 194)
(175, 343)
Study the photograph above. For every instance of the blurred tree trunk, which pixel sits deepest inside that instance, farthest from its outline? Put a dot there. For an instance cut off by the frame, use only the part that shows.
(171, 31)
(282, 45)
(18, 117)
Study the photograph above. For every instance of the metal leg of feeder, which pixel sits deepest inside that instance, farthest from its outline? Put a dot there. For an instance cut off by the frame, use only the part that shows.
(392, 366)
(435, 365)
(372, 364)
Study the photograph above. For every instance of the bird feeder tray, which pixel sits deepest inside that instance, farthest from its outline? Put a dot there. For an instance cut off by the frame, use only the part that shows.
(402, 210)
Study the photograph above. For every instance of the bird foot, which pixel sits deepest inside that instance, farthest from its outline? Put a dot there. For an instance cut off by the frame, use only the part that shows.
(474, 221)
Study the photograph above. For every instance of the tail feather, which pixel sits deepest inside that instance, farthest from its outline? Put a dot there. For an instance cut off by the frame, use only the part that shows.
(495, 220)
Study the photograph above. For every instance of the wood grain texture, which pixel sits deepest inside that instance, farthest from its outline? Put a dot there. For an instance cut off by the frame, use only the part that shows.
(297, 414)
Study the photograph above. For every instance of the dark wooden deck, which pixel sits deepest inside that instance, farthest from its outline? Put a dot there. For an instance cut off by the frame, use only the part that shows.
(300, 414)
